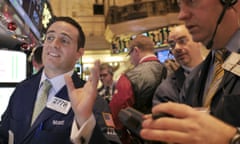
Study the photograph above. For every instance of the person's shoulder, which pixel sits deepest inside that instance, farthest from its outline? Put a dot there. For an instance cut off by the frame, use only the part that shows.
(31, 79)
(28, 83)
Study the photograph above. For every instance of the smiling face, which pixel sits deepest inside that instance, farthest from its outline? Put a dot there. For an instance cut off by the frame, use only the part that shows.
(185, 50)
(60, 51)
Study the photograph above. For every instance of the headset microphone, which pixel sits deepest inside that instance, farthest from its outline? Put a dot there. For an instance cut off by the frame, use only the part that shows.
(210, 43)
(226, 5)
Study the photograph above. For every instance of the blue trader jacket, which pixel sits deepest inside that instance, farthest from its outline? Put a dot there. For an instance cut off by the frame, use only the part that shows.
(50, 127)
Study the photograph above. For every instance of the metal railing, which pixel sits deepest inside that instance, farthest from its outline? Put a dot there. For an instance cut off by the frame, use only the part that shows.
(117, 14)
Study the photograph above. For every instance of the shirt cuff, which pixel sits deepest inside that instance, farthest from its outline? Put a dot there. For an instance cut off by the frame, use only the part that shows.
(83, 135)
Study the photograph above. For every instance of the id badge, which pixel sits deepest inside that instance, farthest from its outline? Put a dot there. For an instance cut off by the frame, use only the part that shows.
(58, 104)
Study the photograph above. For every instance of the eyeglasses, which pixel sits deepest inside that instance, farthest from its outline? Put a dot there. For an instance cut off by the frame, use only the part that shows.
(180, 41)
(103, 75)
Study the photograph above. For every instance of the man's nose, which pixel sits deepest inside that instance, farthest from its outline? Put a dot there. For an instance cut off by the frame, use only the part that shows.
(184, 13)
(56, 43)
(178, 47)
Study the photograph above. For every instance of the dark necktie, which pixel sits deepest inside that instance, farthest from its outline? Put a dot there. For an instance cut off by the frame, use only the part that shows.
(107, 95)
(107, 91)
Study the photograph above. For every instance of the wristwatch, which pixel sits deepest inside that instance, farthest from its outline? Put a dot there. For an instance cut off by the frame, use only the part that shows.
(236, 138)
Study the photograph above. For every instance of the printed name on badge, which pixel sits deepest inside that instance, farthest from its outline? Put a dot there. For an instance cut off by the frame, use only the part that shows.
(59, 105)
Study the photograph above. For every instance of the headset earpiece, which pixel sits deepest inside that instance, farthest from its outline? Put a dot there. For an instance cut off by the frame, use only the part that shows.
(226, 5)
(228, 2)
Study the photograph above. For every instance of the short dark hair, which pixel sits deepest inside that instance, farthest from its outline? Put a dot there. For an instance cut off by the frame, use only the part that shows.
(37, 54)
(81, 38)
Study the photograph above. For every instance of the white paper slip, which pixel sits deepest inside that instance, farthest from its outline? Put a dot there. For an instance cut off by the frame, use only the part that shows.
(10, 137)
(59, 105)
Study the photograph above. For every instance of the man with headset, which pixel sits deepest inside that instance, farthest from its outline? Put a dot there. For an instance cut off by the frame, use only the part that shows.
(216, 23)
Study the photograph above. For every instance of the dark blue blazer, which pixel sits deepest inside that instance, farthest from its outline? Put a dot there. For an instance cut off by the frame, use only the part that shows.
(45, 130)
(169, 89)
(226, 101)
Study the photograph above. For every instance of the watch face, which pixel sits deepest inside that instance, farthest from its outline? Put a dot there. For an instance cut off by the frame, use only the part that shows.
(236, 137)
(237, 141)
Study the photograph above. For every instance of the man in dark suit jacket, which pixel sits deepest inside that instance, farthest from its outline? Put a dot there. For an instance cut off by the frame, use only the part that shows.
(63, 46)
(224, 102)
(216, 24)
(188, 54)
(108, 85)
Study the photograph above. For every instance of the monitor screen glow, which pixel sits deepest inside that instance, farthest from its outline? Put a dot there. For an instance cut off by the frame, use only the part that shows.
(163, 55)
(13, 66)
(5, 93)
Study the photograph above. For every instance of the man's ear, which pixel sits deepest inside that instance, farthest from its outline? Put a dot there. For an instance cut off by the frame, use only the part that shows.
(137, 50)
(80, 52)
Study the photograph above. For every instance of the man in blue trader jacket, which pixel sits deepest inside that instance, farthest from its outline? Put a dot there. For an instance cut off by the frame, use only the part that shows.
(62, 47)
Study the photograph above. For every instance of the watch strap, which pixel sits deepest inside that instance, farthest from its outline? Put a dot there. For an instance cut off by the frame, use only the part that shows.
(236, 138)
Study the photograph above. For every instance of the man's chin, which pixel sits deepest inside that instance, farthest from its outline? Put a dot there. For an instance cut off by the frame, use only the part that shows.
(199, 38)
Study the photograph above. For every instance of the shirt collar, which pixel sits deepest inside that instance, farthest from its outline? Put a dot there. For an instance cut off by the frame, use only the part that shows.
(57, 82)
(148, 56)
(234, 43)
(187, 69)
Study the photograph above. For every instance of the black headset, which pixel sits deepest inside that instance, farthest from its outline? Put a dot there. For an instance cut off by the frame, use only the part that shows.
(228, 2)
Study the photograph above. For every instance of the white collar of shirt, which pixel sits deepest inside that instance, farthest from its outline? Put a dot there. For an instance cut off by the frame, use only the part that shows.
(57, 82)
(111, 86)
(142, 59)
(187, 70)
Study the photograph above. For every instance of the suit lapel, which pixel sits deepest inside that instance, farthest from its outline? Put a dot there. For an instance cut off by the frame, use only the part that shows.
(228, 76)
(48, 113)
(30, 96)
(202, 75)
(180, 77)
(63, 94)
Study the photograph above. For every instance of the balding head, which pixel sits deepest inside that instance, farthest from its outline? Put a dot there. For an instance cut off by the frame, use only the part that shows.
(140, 47)
(142, 42)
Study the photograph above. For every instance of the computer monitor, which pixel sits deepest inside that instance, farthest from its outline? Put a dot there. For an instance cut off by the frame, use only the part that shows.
(13, 69)
(13, 66)
(5, 93)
